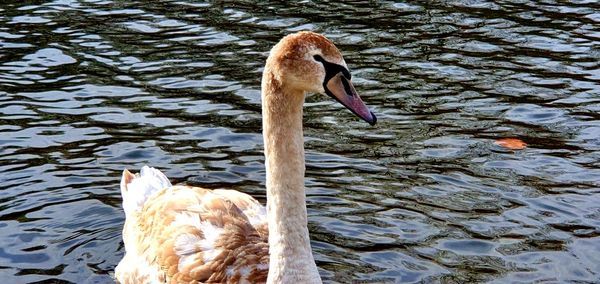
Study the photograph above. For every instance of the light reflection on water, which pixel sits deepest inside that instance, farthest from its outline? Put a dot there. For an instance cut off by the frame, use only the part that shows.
(89, 88)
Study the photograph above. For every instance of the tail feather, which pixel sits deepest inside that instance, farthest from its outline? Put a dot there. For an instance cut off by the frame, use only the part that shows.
(136, 188)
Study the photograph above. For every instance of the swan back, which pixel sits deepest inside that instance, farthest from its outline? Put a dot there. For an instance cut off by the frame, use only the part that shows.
(183, 234)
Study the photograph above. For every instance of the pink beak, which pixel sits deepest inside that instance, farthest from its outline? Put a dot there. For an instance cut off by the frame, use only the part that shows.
(342, 90)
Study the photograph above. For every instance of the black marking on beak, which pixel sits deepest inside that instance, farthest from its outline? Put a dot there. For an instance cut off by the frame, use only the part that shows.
(331, 69)
(347, 88)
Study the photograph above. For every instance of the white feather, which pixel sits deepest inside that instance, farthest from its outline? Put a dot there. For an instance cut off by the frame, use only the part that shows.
(211, 234)
(135, 194)
(187, 219)
(186, 245)
(258, 216)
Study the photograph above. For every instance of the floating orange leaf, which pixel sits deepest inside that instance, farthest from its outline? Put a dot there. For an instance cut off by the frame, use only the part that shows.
(511, 143)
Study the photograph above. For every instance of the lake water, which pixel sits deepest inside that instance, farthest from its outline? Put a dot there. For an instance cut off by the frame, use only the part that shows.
(88, 88)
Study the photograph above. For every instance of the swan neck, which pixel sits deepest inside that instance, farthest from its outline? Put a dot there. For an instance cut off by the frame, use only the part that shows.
(291, 259)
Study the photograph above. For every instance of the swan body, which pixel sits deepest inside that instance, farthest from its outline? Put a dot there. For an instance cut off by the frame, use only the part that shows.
(184, 234)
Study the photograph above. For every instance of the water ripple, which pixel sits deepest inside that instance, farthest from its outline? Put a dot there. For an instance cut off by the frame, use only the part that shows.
(89, 88)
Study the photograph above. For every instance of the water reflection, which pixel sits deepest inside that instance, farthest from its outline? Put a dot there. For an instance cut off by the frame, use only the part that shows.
(88, 88)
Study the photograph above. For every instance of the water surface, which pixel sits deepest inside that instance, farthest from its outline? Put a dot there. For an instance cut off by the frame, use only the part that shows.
(88, 88)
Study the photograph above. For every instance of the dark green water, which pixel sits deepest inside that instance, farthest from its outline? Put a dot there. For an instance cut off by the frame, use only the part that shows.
(88, 88)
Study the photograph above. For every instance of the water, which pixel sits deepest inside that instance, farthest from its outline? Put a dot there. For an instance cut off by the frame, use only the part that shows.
(88, 88)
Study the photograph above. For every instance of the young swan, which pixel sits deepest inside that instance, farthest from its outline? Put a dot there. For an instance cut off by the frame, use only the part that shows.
(183, 234)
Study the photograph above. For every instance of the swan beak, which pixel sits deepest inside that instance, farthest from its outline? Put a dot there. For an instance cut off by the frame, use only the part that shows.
(342, 90)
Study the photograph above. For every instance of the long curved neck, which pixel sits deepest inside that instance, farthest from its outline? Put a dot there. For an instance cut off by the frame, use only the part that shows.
(291, 259)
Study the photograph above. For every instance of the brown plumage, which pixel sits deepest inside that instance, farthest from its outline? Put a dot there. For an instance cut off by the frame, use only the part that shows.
(169, 225)
(183, 234)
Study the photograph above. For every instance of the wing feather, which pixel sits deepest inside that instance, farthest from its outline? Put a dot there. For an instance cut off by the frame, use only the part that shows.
(187, 234)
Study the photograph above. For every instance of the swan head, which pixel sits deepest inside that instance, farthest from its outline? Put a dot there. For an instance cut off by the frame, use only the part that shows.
(309, 62)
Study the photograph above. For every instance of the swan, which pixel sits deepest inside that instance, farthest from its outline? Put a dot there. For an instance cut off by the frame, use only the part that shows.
(184, 234)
